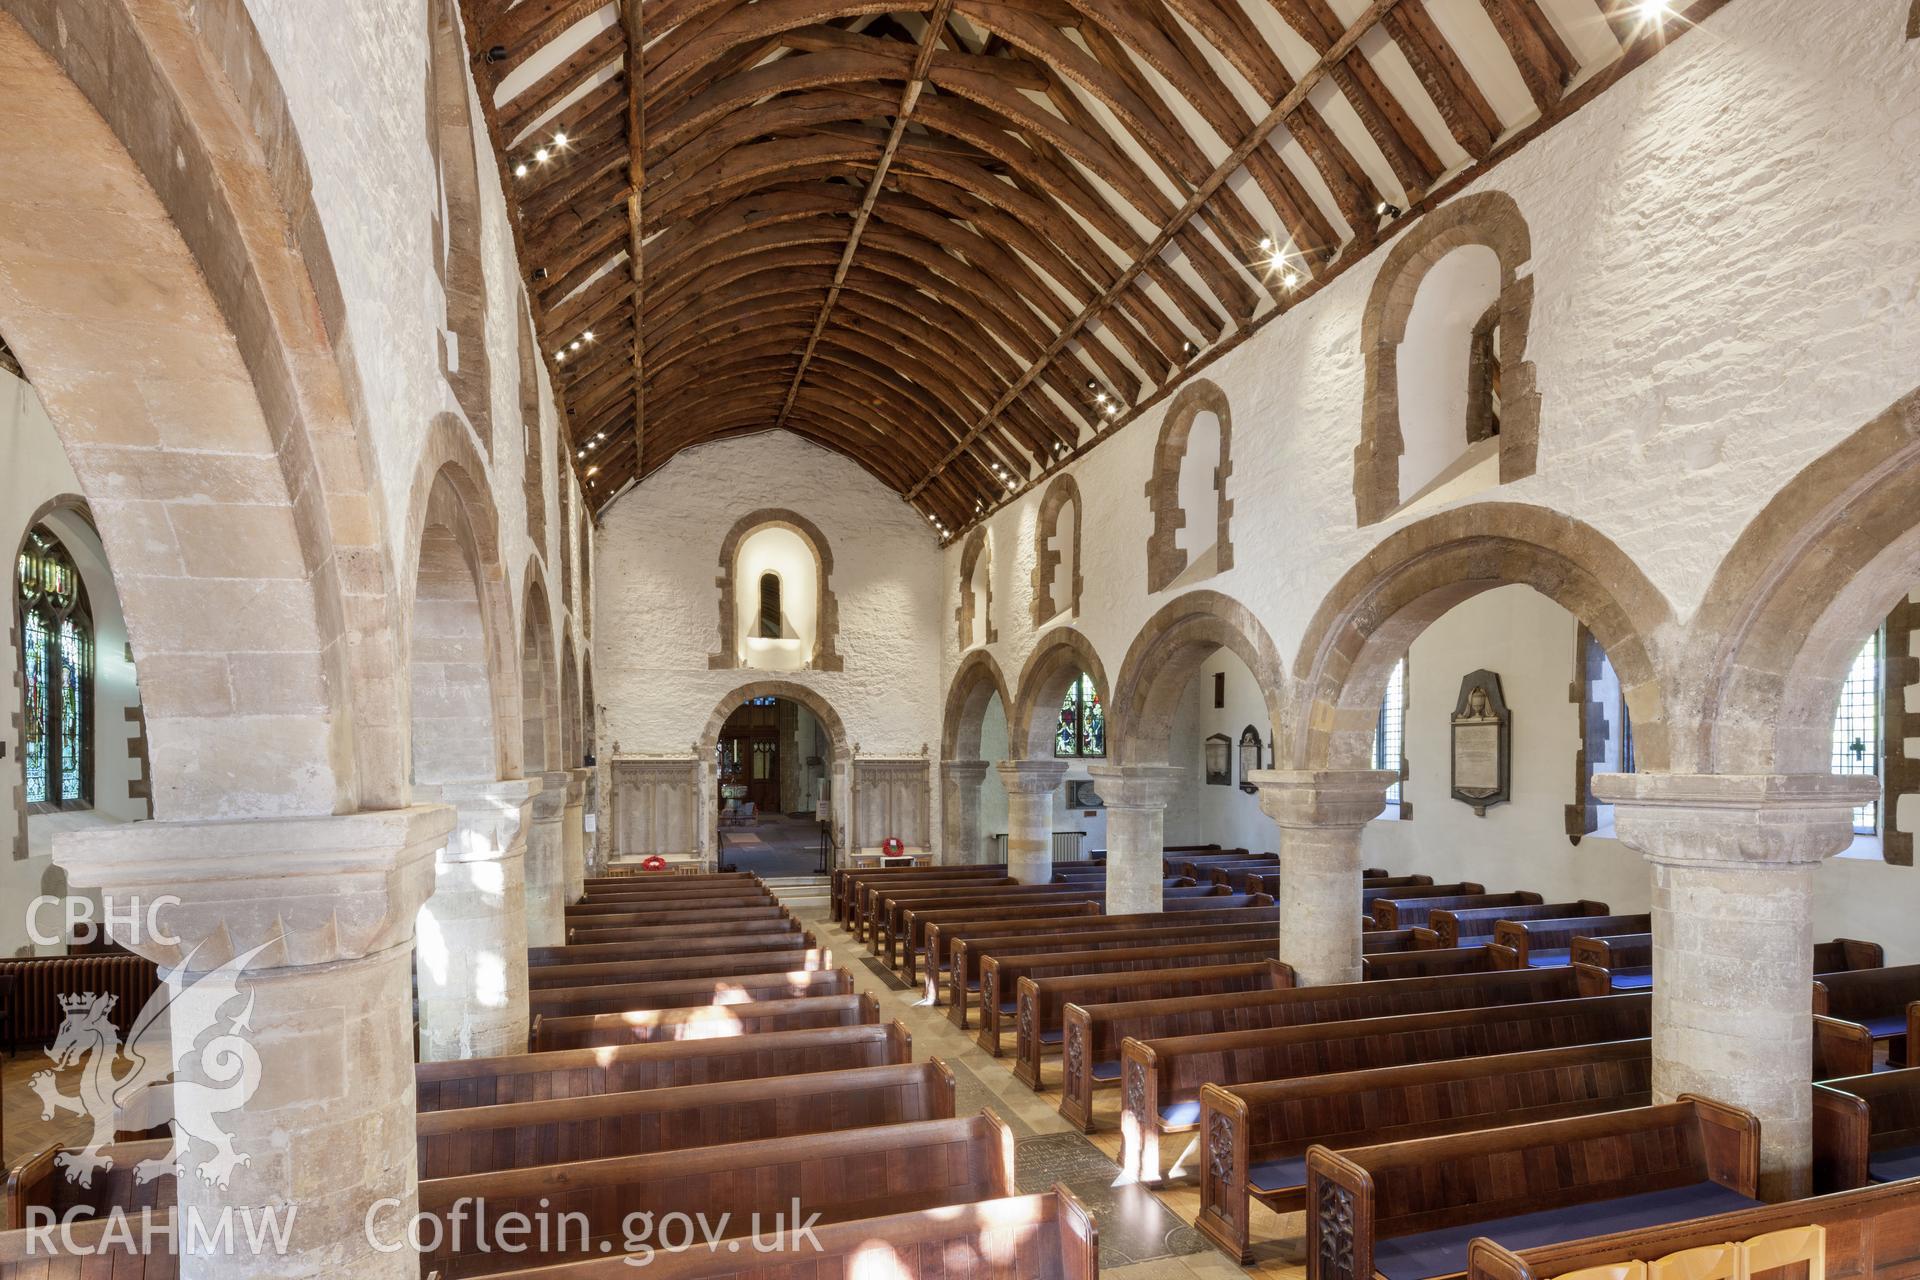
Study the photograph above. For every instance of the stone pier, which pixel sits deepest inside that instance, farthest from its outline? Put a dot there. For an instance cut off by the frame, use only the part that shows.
(1733, 860)
(471, 937)
(1030, 786)
(546, 863)
(573, 834)
(316, 915)
(960, 803)
(1320, 814)
(1136, 797)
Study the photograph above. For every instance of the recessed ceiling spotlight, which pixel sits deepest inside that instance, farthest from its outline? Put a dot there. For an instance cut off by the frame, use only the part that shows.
(560, 138)
(1387, 209)
(520, 170)
(588, 335)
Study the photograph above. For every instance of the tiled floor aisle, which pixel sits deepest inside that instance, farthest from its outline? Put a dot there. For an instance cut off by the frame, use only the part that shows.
(1140, 1236)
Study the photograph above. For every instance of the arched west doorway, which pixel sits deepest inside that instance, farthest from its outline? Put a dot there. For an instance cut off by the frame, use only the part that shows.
(774, 764)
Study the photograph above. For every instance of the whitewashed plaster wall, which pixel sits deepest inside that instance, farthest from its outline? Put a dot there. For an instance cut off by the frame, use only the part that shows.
(1727, 273)
(33, 471)
(356, 87)
(659, 606)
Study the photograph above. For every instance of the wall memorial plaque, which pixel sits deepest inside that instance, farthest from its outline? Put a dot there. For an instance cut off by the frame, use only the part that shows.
(1249, 758)
(1482, 744)
(1219, 760)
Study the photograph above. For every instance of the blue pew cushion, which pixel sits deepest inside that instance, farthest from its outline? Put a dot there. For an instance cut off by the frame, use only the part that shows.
(1107, 1070)
(1444, 1251)
(1176, 1113)
(1895, 1165)
(1548, 959)
(1278, 1175)
(1052, 1037)
(1887, 1028)
(1631, 980)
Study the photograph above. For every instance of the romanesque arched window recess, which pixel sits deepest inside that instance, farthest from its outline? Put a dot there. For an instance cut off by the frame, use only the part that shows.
(456, 222)
(791, 549)
(1187, 492)
(56, 676)
(974, 617)
(1056, 553)
(1082, 731)
(534, 475)
(1451, 406)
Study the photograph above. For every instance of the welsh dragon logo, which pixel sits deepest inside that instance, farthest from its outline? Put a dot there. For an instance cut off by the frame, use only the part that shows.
(186, 1065)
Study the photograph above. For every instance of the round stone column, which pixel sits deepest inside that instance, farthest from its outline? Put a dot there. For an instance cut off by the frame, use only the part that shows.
(1030, 786)
(1733, 860)
(1320, 814)
(1136, 797)
(546, 863)
(573, 835)
(960, 807)
(310, 922)
(471, 937)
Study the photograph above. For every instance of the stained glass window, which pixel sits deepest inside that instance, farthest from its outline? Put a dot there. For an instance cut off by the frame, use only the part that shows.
(1083, 722)
(1856, 727)
(56, 660)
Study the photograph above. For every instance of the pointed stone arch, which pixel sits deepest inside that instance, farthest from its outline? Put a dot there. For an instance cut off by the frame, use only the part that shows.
(1372, 615)
(1166, 655)
(457, 258)
(1813, 573)
(306, 723)
(458, 576)
(1166, 558)
(1062, 656)
(572, 750)
(826, 656)
(539, 677)
(978, 681)
(1488, 218)
(1064, 492)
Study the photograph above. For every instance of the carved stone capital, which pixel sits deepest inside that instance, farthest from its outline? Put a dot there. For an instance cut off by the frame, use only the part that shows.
(577, 787)
(1136, 786)
(490, 818)
(551, 802)
(1734, 820)
(327, 889)
(964, 773)
(1322, 799)
(1032, 777)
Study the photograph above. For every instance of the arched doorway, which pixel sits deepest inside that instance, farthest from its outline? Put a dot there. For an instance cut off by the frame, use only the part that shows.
(774, 764)
(974, 736)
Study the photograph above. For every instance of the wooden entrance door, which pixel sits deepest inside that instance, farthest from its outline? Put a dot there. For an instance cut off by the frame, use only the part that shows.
(749, 764)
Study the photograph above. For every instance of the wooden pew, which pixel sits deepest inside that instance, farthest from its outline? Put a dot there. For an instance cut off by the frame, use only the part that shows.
(596, 907)
(912, 937)
(573, 1073)
(1426, 963)
(1469, 926)
(1095, 1028)
(676, 993)
(104, 1248)
(1049, 1236)
(704, 1022)
(766, 960)
(934, 964)
(1628, 957)
(1884, 1001)
(1409, 912)
(699, 877)
(1409, 1209)
(1370, 894)
(889, 915)
(924, 924)
(622, 918)
(563, 1130)
(860, 1173)
(710, 929)
(633, 891)
(1000, 974)
(1161, 1079)
(842, 878)
(1541, 942)
(1866, 1129)
(1259, 1134)
(1866, 1235)
(866, 895)
(689, 944)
